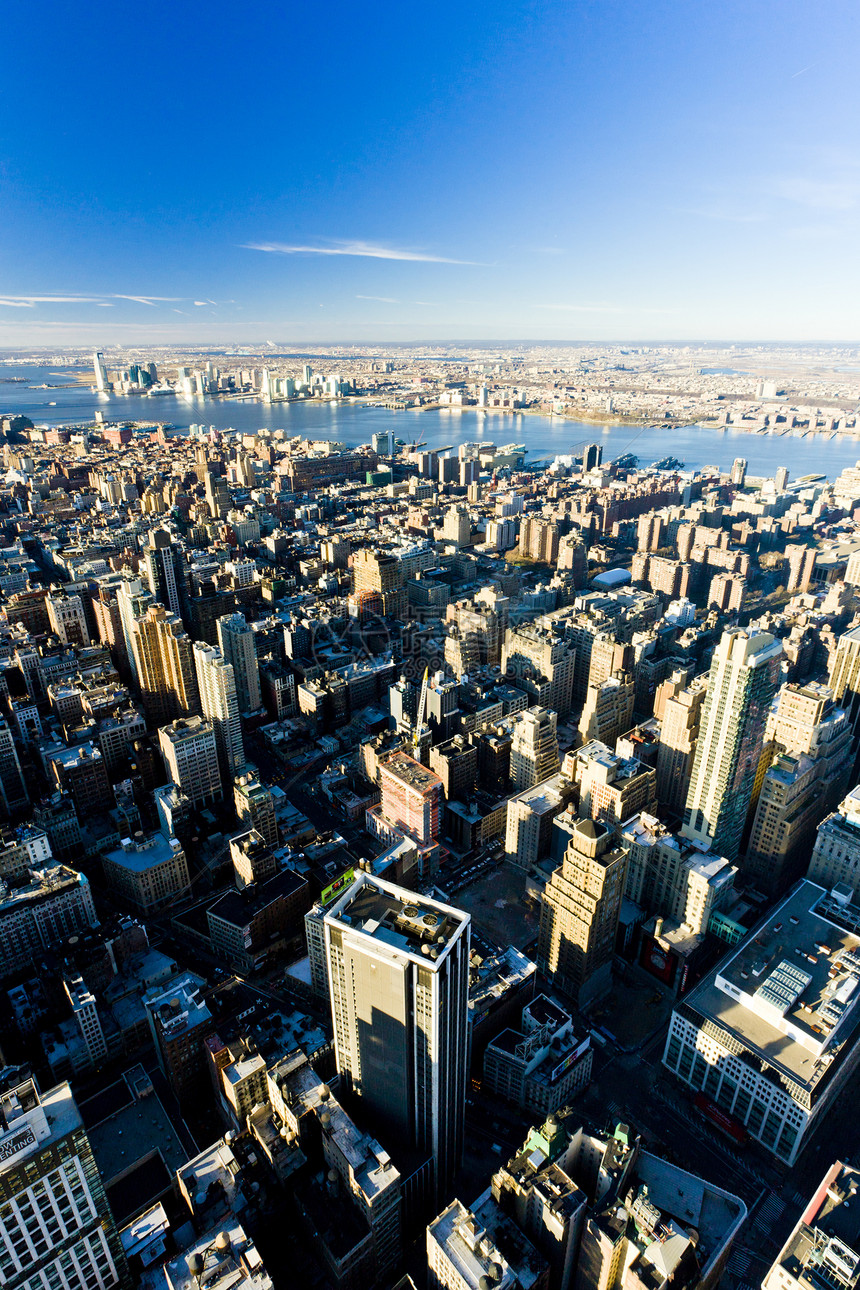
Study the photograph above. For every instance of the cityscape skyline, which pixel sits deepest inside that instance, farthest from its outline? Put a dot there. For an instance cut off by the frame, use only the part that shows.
(497, 173)
(430, 760)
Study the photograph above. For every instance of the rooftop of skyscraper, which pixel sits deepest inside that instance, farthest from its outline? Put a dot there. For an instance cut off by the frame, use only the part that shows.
(406, 921)
(789, 990)
(411, 772)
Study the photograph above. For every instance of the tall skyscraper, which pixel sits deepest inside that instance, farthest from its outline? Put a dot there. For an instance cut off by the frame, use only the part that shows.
(217, 495)
(741, 685)
(236, 642)
(579, 914)
(541, 663)
(164, 663)
(191, 756)
(411, 797)
(845, 681)
(676, 751)
(220, 706)
(807, 768)
(739, 471)
(100, 373)
(378, 578)
(398, 968)
(165, 572)
(133, 600)
(836, 854)
(13, 790)
(255, 806)
(56, 1227)
(534, 747)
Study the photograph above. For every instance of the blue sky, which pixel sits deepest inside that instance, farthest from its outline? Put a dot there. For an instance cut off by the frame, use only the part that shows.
(600, 170)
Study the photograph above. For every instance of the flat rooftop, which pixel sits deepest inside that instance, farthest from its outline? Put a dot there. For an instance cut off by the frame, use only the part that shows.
(411, 772)
(137, 858)
(789, 991)
(402, 919)
(133, 1131)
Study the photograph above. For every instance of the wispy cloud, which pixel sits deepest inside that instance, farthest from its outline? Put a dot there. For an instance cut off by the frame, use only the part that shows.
(367, 250)
(29, 302)
(103, 299)
(385, 300)
(147, 300)
(794, 75)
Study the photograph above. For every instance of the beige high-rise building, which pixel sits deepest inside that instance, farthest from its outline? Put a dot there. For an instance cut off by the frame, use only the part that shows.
(806, 771)
(611, 788)
(670, 877)
(836, 854)
(236, 643)
(677, 747)
(529, 820)
(191, 756)
(541, 662)
(218, 700)
(845, 680)
(785, 817)
(608, 709)
(534, 747)
(164, 663)
(741, 685)
(382, 574)
(579, 914)
(255, 807)
(608, 657)
(456, 526)
(67, 619)
(538, 539)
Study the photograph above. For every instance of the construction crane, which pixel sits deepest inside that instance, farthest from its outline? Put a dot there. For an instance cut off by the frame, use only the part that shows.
(422, 708)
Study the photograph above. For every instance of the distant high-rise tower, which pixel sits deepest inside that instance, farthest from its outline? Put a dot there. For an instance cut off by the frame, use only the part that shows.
(534, 748)
(133, 600)
(217, 495)
(220, 706)
(741, 685)
(164, 663)
(56, 1226)
(101, 373)
(236, 642)
(398, 968)
(739, 471)
(579, 914)
(676, 749)
(592, 457)
(165, 572)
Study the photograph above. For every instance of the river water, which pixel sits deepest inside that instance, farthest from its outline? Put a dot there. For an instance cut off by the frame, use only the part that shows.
(354, 423)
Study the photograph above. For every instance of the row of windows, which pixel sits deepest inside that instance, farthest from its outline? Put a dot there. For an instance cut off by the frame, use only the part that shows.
(776, 1126)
